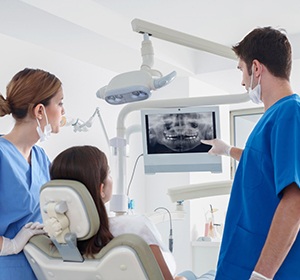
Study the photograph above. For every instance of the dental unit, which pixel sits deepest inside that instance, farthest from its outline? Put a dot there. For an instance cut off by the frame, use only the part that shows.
(130, 94)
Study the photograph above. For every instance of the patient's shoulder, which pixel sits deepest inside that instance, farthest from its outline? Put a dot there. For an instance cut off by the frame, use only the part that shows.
(136, 224)
(128, 222)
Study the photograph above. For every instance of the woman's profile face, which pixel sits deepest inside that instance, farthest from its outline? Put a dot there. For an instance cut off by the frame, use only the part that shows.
(55, 110)
(107, 189)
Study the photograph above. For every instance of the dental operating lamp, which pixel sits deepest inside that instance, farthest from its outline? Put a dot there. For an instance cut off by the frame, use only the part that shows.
(136, 85)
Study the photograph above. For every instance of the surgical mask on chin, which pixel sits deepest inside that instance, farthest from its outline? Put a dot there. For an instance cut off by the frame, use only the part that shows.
(44, 135)
(255, 93)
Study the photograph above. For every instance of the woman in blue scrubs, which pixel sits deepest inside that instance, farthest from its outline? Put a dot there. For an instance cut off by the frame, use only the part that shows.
(261, 236)
(35, 99)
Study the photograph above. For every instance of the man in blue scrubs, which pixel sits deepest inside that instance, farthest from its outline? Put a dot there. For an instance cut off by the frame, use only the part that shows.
(261, 236)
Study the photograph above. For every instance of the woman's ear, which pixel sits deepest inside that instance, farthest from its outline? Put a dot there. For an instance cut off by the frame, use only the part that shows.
(102, 193)
(38, 111)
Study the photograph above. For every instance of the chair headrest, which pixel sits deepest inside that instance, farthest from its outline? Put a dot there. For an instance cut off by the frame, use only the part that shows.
(78, 206)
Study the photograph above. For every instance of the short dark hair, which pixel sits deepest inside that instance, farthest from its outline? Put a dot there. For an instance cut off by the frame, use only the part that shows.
(269, 46)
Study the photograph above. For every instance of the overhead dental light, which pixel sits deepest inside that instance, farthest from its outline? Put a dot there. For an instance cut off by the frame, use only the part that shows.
(136, 85)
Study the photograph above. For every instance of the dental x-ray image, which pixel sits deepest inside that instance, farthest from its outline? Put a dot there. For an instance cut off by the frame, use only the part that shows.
(182, 132)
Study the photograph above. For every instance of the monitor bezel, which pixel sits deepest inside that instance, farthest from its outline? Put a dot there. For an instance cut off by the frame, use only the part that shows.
(185, 161)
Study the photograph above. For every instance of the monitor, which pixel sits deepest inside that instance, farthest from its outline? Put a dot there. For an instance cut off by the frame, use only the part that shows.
(172, 139)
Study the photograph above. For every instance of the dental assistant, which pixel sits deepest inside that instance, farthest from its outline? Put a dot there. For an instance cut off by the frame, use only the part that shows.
(35, 99)
(261, 236)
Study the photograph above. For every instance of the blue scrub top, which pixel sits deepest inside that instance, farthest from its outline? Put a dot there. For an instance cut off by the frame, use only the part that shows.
(20, 184)
(269, 163)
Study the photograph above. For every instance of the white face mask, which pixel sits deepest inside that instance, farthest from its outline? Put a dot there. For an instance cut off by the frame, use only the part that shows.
(44, 135)
(255, 93)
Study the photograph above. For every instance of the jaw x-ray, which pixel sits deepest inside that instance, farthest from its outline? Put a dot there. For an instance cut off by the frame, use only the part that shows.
(177, 133)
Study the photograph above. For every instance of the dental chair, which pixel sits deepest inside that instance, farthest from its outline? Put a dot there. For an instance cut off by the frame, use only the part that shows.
(70, 215)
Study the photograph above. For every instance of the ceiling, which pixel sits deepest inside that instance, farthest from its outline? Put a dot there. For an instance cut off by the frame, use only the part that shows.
(99, 32)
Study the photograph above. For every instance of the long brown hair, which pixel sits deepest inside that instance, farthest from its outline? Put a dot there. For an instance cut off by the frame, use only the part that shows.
(88, 165)
(27, 89)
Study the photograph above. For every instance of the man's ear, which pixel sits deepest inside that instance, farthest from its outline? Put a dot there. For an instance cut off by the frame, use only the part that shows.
(257, 68)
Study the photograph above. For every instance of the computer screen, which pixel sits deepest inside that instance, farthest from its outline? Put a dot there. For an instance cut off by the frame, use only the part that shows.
(172, 139)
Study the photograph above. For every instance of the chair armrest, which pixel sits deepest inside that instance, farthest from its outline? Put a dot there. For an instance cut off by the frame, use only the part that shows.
(141, 248)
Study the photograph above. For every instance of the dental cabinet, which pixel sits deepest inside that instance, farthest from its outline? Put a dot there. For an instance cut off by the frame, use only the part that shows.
(205, 256)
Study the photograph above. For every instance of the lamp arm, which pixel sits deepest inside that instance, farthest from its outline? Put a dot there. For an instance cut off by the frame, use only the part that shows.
(181, 38)
(177, 102)
(102, 124)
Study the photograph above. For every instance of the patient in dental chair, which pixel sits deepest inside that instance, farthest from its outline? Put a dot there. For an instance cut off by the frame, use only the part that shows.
(88, 165)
